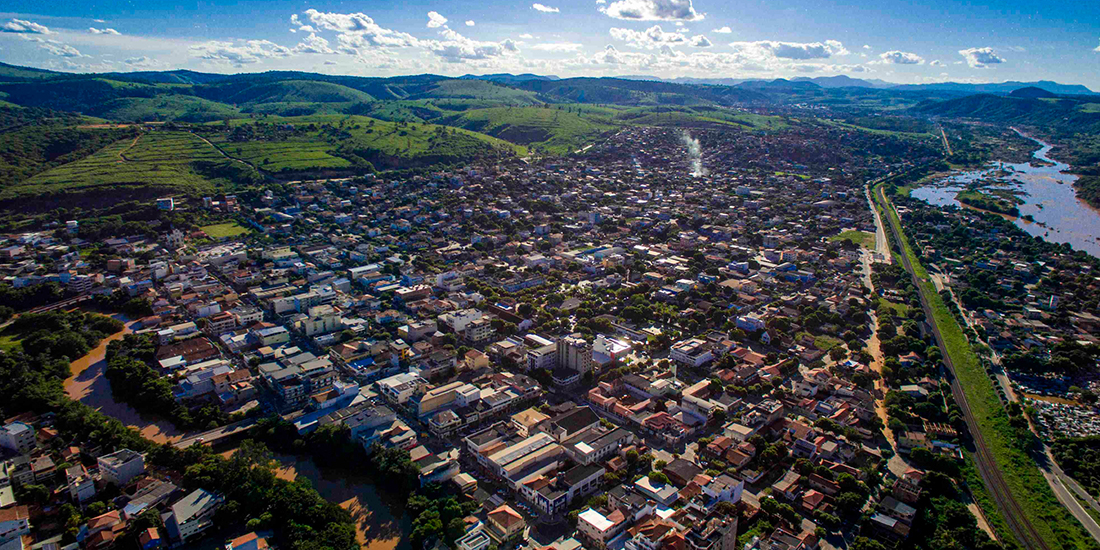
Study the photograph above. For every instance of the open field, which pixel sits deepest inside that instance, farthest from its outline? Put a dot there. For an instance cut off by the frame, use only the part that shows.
(224, 230)
(550, 129)
(861, 238)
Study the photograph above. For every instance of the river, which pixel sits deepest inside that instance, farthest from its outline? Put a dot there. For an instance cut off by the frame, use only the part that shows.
(1048, 195)
(88, 385)
(380, 523)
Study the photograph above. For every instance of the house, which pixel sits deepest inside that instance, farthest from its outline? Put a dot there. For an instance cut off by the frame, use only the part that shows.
(505, 524)
(14, 523)
(192, 515)
(81, 484)
(681, 471)
(250, 541)
(150, 539)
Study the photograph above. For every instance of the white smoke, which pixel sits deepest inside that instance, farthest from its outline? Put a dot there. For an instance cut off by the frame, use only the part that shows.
(695, 151)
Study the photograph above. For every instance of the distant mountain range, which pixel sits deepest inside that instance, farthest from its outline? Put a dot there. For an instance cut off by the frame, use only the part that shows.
(842, 81)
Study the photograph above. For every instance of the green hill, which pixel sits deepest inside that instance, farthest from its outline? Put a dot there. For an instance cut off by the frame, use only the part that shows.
(143, 166)
(556, 130)
(180, 108)
(291, 91)
(1059, 116)
(76, 95)
(350, 143)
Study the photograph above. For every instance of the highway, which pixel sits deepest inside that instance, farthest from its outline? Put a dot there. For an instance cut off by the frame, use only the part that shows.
(991, 475)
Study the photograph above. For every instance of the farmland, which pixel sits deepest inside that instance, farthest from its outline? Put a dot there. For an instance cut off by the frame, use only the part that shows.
(167, 161)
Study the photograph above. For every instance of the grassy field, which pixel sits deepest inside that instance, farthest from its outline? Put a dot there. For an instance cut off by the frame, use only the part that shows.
(1021, 474)
(173, 161)
(344, 142)
(861, 238)
(900, 310)
(224, 230)
(826, 343)
(10, 342)
(551, 130)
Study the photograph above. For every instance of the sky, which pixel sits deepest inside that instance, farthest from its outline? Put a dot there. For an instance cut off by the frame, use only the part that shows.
(894, 40)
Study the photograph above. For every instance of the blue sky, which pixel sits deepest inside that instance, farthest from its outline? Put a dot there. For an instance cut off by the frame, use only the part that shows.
(894, 40)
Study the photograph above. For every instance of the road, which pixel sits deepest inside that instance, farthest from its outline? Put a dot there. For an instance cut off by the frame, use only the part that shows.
(882, 245)
(214, 435)
(991, 475)
(946, 144)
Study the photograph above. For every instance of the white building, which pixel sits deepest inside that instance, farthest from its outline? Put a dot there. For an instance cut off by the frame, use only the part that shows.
(18, 437)
(121, 466)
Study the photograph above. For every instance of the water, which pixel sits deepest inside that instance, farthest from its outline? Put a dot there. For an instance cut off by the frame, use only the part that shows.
(1049, 197)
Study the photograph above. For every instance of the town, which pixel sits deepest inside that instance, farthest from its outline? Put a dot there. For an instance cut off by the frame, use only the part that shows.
(612, 351)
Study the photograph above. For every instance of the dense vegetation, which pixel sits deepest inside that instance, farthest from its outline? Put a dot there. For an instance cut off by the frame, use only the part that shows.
(134, 381)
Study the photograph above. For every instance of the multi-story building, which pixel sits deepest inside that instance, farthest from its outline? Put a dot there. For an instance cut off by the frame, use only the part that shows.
(81, 484)
(192, 515)
(18, 437)
(575, 353)
(121, 466)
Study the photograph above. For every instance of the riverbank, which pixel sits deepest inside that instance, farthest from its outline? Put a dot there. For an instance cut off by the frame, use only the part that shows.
(87, 384)
(1050, 209)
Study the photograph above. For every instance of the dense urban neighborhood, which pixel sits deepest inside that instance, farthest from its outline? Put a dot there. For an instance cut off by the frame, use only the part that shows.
(692, 335)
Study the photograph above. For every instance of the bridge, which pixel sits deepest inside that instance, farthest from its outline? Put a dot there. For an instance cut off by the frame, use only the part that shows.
(217, 435)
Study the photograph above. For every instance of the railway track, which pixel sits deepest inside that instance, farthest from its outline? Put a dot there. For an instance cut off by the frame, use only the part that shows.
(992, 476)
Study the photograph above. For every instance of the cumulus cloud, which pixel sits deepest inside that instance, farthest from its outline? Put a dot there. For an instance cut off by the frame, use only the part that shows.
(791, 50)
(94, 30)
(455, 48)
(544, 9)
(435, 20)
(1096, 49)
(557, 47)
(651, 38)
(361, 30)
(936, 63)
(527, 36)
(701, 41)
(653, 10)
(240, 52)
(896, 57)
(313, 44)
(470, 23)
(22, 26)
(723, 30)
(980, 58)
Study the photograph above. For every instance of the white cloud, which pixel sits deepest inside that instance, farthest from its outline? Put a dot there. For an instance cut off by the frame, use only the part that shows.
(936, 63)
(701, 41)
(363, 30)
(21, 26)
(866, 46)
(896, 57)
(601, 2)
(59, 49)
(653, 10)
(470, 23)
(1096, 49)
(457, 48)
(791, 50)
(99, 20)
(526, 36)
(435, 20)
(544, 9)
(558, 47)
(980, 58)
(240, 52)
(313, 44)
(723, 30)
(94, 30)
(141, 62)
(651, 38)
